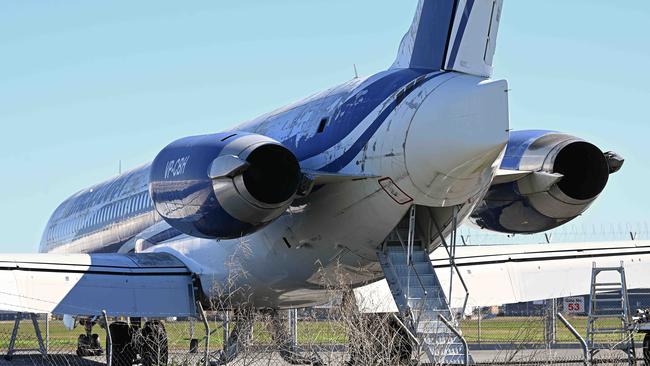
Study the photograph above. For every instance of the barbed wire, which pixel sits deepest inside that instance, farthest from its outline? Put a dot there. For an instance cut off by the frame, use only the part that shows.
(470, 235)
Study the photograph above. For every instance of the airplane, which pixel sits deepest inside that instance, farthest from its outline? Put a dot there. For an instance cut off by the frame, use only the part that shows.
(267, 213)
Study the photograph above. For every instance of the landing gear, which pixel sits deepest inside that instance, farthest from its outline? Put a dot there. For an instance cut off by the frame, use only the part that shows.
(88, 344)
(130, 341)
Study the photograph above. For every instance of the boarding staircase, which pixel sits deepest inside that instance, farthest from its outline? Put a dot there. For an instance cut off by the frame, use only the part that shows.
(609, 325)
(421, 299)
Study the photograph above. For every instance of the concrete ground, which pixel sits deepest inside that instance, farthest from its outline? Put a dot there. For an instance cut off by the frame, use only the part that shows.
(481, 357)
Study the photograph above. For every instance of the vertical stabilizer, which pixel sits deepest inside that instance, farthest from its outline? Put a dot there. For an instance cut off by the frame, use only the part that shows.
(458, 35)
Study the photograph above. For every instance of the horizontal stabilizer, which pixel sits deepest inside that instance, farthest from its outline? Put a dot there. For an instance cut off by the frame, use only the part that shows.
(142, 285)
(454, 35)
(506, 274)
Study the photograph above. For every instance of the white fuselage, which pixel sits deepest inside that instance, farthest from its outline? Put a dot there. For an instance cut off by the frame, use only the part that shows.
(436, 140)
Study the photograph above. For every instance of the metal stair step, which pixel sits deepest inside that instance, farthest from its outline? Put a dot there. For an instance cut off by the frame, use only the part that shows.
(416, 287)
(606, 300)
(429, 282)
(607, 269)
(420, 268)
(416, 257)
(605, 291)
(599, 316)
(398, 248)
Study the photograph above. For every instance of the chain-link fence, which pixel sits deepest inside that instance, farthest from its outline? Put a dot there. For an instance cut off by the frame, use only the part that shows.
(527, 333)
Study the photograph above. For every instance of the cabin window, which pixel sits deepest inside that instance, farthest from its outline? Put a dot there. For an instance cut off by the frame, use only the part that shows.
(323, 123)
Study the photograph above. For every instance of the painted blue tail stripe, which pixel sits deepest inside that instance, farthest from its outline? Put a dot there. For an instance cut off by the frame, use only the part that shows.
(348, 116)
(461, 32)
(433, 31)
(358, 145)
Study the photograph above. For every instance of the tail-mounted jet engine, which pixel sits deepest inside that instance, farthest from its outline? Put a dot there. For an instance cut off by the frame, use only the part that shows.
(546, 179)
(224, 185)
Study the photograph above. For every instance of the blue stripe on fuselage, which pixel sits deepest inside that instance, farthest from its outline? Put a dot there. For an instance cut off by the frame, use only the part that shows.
(352, 112)
(358, 145)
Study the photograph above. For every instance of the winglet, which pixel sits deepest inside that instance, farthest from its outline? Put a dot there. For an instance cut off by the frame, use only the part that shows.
(455, 35)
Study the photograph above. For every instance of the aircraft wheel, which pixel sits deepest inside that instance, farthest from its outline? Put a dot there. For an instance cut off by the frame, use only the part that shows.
(88, 346)
(154, 350)
(83, 346)
(121, 346)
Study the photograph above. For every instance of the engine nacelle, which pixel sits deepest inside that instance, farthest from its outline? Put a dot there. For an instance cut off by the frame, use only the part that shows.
(224, 185)
(568, 174)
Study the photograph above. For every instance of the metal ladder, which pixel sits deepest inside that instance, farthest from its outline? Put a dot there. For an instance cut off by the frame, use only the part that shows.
(608, 306)
(42, 344)
(421, 299)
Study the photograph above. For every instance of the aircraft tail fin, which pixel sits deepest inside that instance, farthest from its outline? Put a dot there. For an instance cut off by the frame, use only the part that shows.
(458, 35)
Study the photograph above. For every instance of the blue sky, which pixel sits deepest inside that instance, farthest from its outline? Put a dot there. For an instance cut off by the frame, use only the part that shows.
(85, 84)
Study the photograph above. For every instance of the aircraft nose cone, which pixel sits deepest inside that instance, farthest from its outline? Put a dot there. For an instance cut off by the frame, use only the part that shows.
(455, 140)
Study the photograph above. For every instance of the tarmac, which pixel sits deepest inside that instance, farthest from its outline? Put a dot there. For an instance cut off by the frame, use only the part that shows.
(562, 356)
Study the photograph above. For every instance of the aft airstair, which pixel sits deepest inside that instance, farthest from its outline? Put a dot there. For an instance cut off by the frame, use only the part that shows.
(609, 325)
(420, 297)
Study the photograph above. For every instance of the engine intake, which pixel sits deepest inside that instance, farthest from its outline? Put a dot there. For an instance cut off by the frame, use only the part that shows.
(223, 185)
(568, 174)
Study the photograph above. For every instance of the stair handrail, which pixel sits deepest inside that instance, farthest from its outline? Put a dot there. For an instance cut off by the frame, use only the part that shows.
(452, 263)
(406, 329)
(410, 264)
(460, 336)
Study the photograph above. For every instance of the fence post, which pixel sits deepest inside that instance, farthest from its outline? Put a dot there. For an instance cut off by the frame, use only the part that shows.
(293, 327)
(550, 326)
(109, 340)
(47, 334)
(206, 355)
(226, 329)
(478, 334)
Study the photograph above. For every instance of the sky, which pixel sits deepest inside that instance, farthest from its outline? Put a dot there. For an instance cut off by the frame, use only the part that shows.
(85, 85)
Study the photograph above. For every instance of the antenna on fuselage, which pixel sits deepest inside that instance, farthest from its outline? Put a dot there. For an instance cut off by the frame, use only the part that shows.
(356, 73)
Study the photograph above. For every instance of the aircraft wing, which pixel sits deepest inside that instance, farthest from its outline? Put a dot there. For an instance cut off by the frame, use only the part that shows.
(79, 284)
(505, 274)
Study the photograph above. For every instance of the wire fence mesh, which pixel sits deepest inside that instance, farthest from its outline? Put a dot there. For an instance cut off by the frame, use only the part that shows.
(510, 334)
